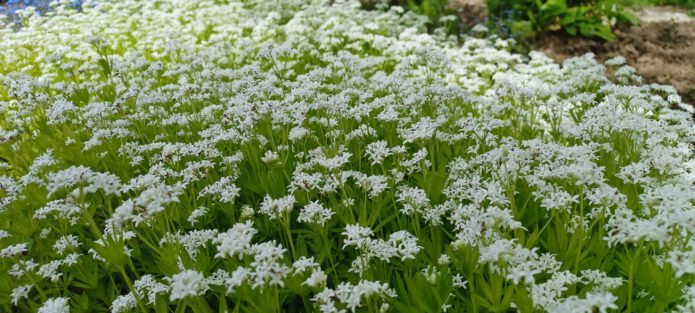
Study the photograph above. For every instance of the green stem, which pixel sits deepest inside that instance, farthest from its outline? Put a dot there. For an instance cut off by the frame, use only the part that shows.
(631, 278)
(199, 305)
(328, 245)
(471, 282)
(42, 294)
(277, 300)
(288, 231)
(132, 289)
(132, 268)
(629, 289)
(87, 216)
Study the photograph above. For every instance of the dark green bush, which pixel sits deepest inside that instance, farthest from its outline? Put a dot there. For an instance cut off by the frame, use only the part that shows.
(433, 9)
(588, 18)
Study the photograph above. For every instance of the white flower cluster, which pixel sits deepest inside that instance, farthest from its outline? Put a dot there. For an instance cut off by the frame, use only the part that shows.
(148, 134)
(352, 296)
(55, 305)
(400, 244)
(188, 283)
(314, 212)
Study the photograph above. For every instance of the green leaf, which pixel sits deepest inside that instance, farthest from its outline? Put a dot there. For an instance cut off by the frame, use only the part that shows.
(624, 15)
(161, 304)
(568, 19)
(572, 30)
(522, 299)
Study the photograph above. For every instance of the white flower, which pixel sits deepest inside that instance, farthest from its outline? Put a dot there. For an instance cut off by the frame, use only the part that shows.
(500, 250)
(377, 152)
(123, 303)
(267, 265)
(405, 244)
(354, 295)
(317, 278)
(196, 214)
(13, 250)
(459, 282)
(414, 199)
(270, 157)
(297, 133)
(224, 189)
(423, 129)
(188, 283)
(559, 200)
(236, 241)
(314, 212)
(522, 275)
(45, 160)
(326, 301)
(374, 184)
(238, 277)
(51, 270)
(247, 212)
(601, 281)
(357, 235)
(418, 161)
(191, 241)
(602, 301)
(443, 259)
(615, 61)
(277, 208)
(682, 261)
(304, 263)
(148, 287)
(58, 111)
(318, 157)
(80, 175)
(65, 242)
(20, 292)
(55, 305)
(148, 203)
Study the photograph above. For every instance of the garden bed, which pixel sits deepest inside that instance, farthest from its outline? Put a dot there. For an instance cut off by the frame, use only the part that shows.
(661, 48)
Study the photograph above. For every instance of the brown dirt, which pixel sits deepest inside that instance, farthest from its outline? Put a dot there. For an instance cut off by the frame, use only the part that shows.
(470, 12)
(661, 48)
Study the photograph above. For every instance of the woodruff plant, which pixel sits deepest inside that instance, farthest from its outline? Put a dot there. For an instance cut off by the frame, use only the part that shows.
(294, 156)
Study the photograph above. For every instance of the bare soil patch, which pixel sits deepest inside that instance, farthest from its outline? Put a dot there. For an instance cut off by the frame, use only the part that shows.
(661, 48)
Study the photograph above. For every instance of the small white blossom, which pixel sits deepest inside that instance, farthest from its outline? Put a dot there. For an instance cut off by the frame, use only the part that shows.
(188, 283)
(196, 214)
(270, 157)
(277, 208)
(13, 250)
(236, 241)
(55, 305)
(377, 152)
(314, 212)
(20, 292)
(317, 279)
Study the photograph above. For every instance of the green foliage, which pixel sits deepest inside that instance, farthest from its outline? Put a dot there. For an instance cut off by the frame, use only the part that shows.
(423, 291)
(585, 18)
(437, 12)
(433, 9)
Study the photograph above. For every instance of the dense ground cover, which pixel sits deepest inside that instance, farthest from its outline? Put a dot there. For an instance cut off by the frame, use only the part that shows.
(288, 156)
(9, 9)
